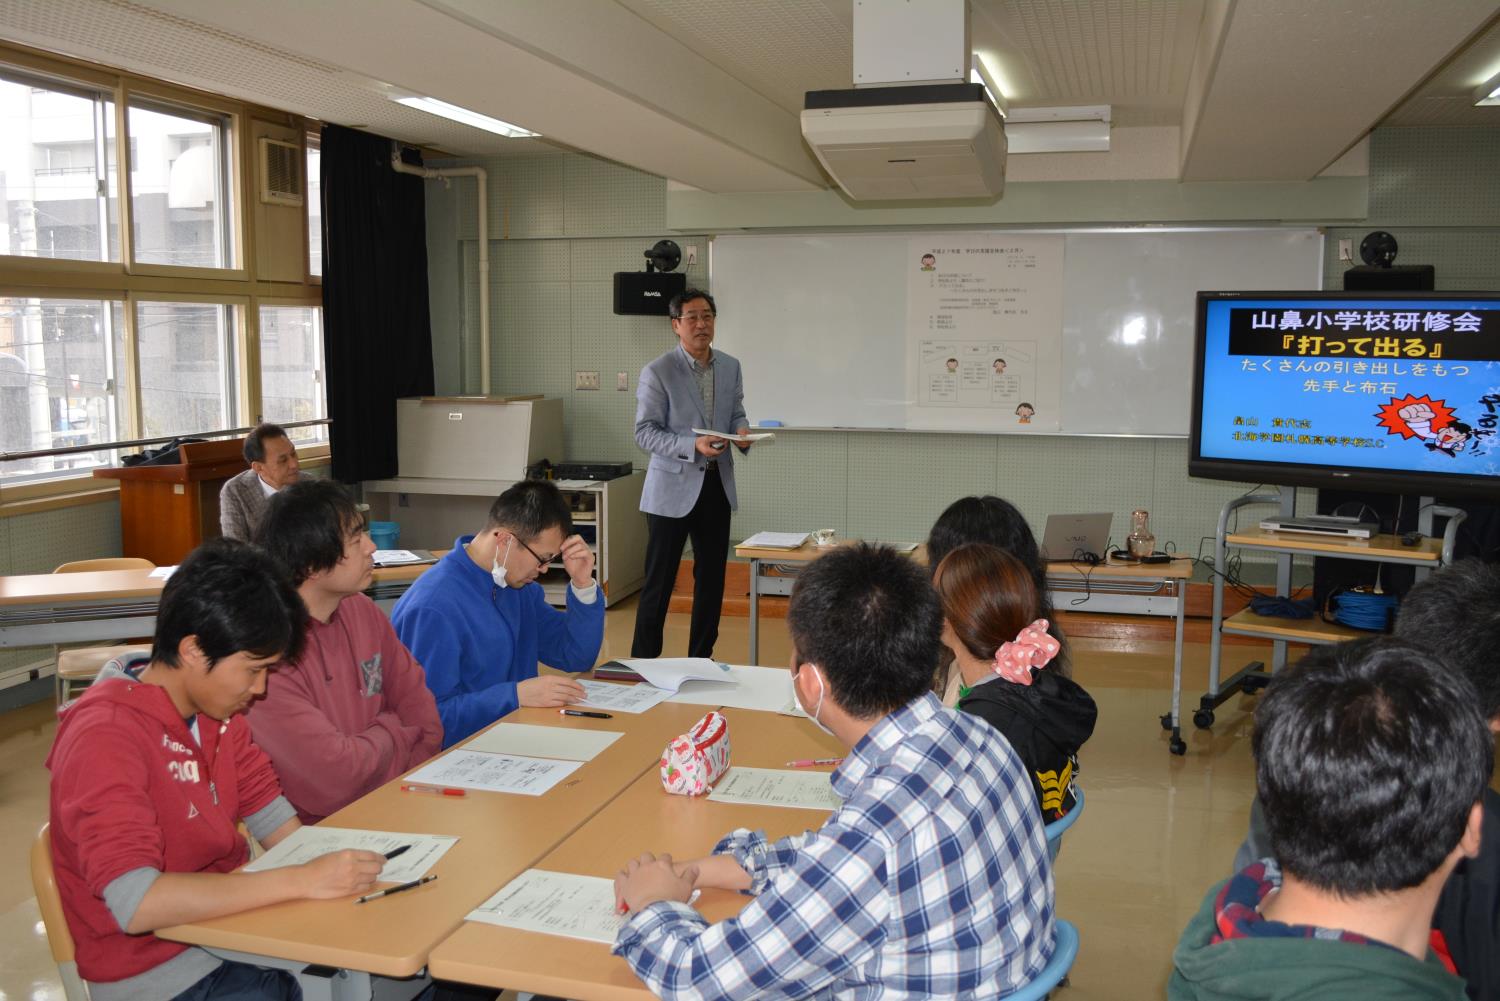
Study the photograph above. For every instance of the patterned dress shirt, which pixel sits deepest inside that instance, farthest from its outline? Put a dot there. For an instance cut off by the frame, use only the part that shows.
(932, 880)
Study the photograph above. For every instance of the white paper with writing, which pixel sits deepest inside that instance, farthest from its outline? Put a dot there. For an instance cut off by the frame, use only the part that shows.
(307, 843)
(555, 903)
(776, 787)
(494, 772)
(632, 698)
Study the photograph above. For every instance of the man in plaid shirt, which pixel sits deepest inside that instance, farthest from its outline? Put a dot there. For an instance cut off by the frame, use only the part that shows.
(932, 880)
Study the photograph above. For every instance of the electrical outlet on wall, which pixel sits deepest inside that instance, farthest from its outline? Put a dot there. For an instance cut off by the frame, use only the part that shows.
(692, 254)
(1346, 251)
(622, 381)
(585, 380)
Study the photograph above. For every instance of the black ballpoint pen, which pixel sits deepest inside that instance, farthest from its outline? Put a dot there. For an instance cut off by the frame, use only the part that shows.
(396, 851)
(580, 712)
(396, 889)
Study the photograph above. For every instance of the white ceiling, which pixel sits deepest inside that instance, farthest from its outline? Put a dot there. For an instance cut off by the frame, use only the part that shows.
(707, 92)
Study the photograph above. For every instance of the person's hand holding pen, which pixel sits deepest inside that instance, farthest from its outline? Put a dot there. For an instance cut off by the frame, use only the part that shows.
(709, 445)
(338, 874)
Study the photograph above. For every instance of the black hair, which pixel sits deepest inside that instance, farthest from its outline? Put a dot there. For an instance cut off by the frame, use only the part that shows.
(306, 526)
(529, 508)
(993, 521)
(235, 599)
(255, 441)
(1369, 757)
(1456, 613)
(687, 295)
(870, 621)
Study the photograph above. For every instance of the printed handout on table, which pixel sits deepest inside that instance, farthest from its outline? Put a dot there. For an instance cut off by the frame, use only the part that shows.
(668, 673)
(566, 742)
(555, 903)
(636, 698)
(775, 540)
(307, 843)
(752, 687)
(401, 557)
(494, 772)
(775, 787)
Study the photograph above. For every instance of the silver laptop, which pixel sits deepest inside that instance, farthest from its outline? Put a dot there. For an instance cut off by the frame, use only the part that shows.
(1069, 536)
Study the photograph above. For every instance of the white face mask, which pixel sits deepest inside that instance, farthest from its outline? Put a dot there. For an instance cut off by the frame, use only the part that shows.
(497, 567)
(819, 707)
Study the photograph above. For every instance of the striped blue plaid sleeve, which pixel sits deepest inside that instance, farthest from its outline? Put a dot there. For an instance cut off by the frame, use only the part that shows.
(762, 859)
(816, 920)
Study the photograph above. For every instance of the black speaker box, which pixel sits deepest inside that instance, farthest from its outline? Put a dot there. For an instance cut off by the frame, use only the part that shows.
(646, 293)
(1397, 278)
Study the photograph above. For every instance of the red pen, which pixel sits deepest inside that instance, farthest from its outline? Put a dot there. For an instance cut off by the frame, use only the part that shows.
(433, 790)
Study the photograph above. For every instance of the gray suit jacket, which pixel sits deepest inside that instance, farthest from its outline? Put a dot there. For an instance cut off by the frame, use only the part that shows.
(242, 504)
(668, 407)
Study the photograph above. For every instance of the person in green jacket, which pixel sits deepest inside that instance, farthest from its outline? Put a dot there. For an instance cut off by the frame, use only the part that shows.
(1371, 758)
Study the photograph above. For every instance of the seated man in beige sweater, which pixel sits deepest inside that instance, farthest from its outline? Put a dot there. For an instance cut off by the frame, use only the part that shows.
(243, 499)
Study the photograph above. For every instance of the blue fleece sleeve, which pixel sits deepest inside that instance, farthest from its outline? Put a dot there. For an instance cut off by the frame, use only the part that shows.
(456, 675)
(568, 641)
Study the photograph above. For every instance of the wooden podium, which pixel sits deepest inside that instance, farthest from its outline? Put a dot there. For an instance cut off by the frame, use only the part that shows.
(166, 511)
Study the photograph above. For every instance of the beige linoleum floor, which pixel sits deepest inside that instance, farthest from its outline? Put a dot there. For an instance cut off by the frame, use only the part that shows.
(1157, 831)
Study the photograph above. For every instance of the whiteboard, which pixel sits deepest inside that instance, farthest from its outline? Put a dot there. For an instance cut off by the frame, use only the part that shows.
(818, 321)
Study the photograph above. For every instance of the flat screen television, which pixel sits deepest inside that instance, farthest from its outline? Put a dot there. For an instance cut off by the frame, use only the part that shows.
(1391, 393)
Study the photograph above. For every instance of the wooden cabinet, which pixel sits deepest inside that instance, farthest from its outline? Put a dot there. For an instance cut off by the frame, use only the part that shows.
(167, 511)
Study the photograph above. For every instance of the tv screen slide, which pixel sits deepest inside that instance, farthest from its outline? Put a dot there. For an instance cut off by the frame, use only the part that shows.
(1399, 392)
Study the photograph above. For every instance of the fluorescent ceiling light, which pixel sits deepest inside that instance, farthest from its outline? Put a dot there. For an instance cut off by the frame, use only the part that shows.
(980, 73)
(1488, 92)
(1058, 130)
(464, 116)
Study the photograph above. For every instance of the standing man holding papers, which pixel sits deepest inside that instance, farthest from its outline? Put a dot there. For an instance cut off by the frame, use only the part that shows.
(689, 490)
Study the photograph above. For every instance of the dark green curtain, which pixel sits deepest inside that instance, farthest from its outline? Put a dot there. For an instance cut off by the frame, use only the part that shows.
(377, 336)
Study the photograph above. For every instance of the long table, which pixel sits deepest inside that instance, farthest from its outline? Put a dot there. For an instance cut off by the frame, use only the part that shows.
(1129, 588)
(114, 605)
(499, 837)
(643, 818)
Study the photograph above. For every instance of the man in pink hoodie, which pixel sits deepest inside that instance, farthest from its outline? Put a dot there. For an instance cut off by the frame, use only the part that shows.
(353, 710)
(152, 769)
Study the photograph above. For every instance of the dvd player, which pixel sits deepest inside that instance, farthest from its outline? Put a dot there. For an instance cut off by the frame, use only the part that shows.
(1340, 526)
(585, 470)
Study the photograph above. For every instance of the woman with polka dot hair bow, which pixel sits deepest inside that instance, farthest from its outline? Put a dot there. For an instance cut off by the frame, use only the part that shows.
(1010, 677)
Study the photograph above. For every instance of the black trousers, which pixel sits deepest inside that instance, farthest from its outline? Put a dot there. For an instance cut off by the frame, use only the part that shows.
(707, 524)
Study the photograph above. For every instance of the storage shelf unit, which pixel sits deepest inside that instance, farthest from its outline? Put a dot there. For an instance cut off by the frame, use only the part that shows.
(434, 512)
(1426, 554)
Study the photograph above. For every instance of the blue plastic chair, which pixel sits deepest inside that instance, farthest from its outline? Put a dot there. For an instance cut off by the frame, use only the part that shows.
(1059, 827)
(1056, 970)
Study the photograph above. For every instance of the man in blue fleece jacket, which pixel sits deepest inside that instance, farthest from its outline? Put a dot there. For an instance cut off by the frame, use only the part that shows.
(479, 622)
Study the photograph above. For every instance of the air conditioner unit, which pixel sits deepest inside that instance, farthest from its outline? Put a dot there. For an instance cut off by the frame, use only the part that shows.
(924, 141)
(281, 181)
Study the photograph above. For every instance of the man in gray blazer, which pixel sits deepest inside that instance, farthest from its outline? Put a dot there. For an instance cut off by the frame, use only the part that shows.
(689, 490)
(244, 497)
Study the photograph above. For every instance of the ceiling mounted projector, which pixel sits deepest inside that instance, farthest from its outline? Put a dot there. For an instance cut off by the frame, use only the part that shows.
(942, 140)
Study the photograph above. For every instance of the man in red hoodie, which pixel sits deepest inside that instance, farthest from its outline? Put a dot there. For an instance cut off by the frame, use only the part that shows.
(351, 711)
(152, 769)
